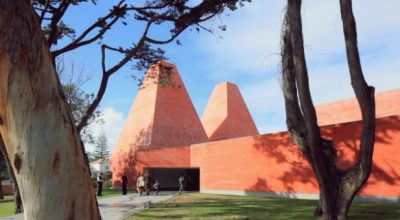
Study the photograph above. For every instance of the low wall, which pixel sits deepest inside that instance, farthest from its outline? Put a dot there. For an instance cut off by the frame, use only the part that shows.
(7, 190)
(272, 163)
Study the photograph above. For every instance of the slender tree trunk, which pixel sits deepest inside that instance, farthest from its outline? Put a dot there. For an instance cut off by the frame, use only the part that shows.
(17, 196)
(1, 189)
(337, 187)
(37, 128)
(19, 207)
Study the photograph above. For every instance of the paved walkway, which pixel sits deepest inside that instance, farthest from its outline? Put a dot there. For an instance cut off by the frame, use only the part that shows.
(119, 207)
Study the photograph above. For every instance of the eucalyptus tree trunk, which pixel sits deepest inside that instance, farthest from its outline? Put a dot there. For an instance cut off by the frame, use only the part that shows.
(337, 187)
(41, 140)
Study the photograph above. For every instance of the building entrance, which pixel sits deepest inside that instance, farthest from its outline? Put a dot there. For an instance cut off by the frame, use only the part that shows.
(168, 177)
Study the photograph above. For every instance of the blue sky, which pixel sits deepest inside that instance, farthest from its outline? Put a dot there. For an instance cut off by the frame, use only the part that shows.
(247, 54)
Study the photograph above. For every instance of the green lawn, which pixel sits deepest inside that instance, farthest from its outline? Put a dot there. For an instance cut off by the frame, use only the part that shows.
(207, 206)
(7, 205)
(114, 192)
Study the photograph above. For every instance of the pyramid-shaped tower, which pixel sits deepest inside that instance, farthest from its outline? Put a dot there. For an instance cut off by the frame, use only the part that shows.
(162, 115)
(226, 114)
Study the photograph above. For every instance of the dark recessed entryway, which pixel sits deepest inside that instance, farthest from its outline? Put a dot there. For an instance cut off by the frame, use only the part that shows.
(168, 177)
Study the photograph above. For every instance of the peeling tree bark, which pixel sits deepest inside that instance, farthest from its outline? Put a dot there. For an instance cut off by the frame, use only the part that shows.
(337, 187)
(42, 143)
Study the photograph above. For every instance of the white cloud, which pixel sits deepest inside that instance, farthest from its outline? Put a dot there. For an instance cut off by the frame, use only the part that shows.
(250, 50)
(251, 43)
(265, 102)
(119, 101)
(323, 32)
(113, 122)
(267, 90)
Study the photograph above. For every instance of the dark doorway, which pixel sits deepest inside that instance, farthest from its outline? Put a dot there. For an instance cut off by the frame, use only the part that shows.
(168, 177)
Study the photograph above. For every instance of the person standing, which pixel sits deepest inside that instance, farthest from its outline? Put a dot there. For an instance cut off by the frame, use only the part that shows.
(137, 183)
(181, 181)
(100, 184)
(140, 184)
(124, 184)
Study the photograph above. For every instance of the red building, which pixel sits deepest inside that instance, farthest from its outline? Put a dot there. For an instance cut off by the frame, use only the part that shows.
(223, 152)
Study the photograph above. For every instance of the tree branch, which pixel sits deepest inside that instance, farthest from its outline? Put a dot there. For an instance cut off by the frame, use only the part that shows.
(108, 73)
(131, 53)
(294, 117)
(116, 14)
(172, 38)
(363, 92)
(58, 14)
(103, 58)
(300, 67)
(44, 11)
(131, 7)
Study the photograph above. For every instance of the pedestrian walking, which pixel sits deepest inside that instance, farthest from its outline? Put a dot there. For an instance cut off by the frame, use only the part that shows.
(124, 184)
(147, 182)
(181, 181)
(156, 187)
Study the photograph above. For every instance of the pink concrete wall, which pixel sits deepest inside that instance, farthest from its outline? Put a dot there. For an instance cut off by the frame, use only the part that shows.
(272, 163)
(267, 163)
(387, 104)
(163, 157)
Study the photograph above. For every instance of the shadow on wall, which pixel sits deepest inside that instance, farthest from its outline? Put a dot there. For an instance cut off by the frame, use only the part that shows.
(126, 165)
(260, 186)
(281, 150)
(346, 138)
(125, 160)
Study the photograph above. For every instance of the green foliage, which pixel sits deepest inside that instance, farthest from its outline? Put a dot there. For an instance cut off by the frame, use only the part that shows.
(146, 56)
(102, 150)
(107, 193)
(55, 8)
(79, 101)
(63, 30)
(73, 77)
